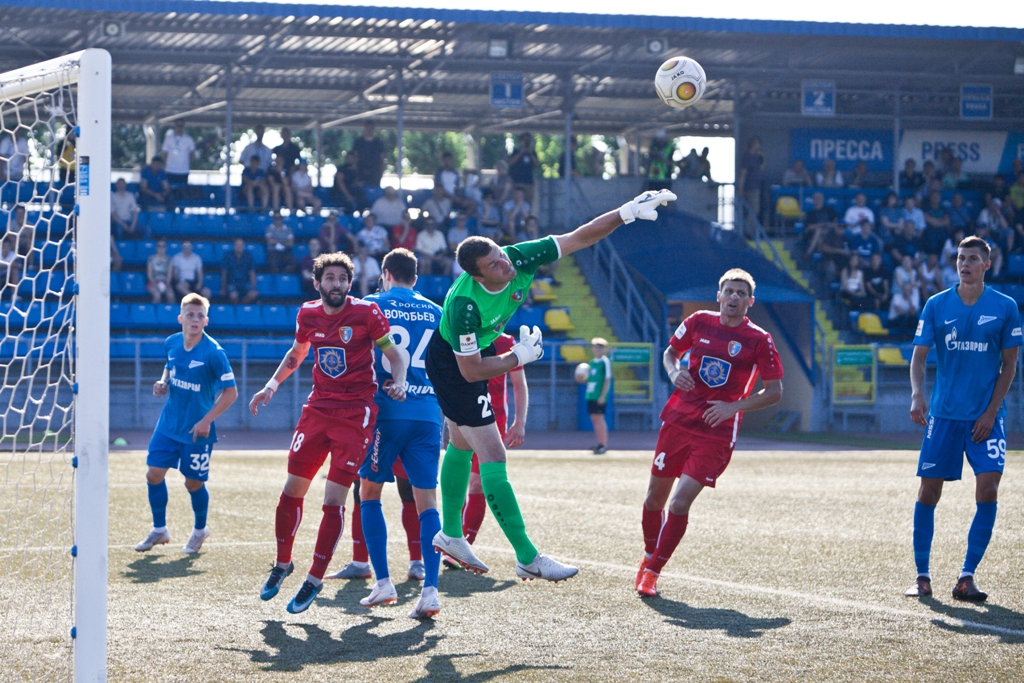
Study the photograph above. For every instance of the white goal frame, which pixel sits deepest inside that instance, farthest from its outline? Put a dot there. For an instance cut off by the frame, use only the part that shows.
(90, 70)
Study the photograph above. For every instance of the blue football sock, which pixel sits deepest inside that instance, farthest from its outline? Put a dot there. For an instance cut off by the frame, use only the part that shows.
(924, 529)
(979, 535)
(200, 504)
(430, 524)
(375, 534)
(158, 503)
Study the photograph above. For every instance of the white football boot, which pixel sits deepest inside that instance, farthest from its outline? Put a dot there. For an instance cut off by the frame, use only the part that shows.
(381, 595)
(543, 567)
(155, 538)
(428, 607)
(460, 550)
(195, 541)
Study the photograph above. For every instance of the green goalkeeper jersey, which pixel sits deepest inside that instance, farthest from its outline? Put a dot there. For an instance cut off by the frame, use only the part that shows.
(474, 317)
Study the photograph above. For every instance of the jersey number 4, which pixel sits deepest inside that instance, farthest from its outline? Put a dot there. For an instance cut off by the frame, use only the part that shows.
(402, 339)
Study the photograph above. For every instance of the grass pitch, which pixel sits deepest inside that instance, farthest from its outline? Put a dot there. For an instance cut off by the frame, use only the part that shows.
(792, 570)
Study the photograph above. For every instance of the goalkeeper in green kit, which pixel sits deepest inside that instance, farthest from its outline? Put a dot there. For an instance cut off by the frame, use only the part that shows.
(461, 358)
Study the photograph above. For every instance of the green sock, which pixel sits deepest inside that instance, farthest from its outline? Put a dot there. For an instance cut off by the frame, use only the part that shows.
(454, 484)
(502, 501)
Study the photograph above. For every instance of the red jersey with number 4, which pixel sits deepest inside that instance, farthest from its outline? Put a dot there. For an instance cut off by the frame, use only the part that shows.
(724, 363)
(343, 374)
(496, 385)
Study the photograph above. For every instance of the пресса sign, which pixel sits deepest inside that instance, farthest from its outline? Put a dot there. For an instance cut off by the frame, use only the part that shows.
(846, 147)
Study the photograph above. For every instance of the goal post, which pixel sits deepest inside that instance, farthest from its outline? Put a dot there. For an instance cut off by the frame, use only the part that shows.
(54, 367)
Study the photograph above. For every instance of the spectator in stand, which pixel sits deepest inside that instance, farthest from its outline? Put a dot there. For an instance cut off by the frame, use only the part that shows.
(705, 166)
(955, 177)
(256, 148)
(238, 275)
(17, 224)
(865, 242)
(154, 188)
(347, 192)
(959, 215)
(689, 166)
(993, 217)
(13, 157)
(1016, 169)
(829, 175)
(365, 272)
(831, 244)
(876, 283)
(930, 274)
(516, 211)
(820, 218)
(389, 208)
(530, 231)
(438, 206)
(451, 181)
(489, 217)
(374, 236)
(890, 216)
(659, 162)
(797, 175)
(403, 235)
(996, 255)
(10, 264)
(335, 237)
(254, 182)
(929, 175)
(432, 250)
(124, 211)
(911, 180)
(472, 188)
(1016, 197)
(904, 309)
(851, 285)
(187, 272)
(280, 240)
(306, 269)
(862, 177)
(905, 243)
(457, 233)
(945, 160)
(905, 273)
(999, 189)
(288, 151)
(115, 256)
(913, 214)
(935, 214)
(502, 184)
(158, 275)
(178, 150)
(949, 249)
(859, 211)
(932, 240)
(302, 187)
(280, 186)
(522, 164)
(748, 185)
(370, 157)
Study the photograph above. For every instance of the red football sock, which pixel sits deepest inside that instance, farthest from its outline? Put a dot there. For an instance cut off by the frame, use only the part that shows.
(411, 522)
(286, 524)
(331, 526)
(652, 523)
(671, 533)
(473, 515)
(359, 553)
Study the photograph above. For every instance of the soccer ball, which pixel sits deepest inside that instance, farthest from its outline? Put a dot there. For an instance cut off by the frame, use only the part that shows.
(680, 82)
(582, 373)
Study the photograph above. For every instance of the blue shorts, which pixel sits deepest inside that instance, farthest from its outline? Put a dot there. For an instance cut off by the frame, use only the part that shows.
(419, 444)
(192, 460)
(946, 441)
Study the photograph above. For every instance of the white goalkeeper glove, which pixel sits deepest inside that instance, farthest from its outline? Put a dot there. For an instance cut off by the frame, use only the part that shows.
(530, 346)
(645, 207)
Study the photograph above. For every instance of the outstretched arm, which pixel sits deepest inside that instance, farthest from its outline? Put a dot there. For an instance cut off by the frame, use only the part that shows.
(289, 364)
(644, 207)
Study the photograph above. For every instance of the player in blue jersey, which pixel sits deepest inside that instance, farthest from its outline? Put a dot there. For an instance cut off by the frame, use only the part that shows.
(411, 430)
(976, 333)
(196, 371)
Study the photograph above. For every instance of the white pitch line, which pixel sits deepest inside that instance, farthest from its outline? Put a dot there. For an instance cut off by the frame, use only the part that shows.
(807, 597)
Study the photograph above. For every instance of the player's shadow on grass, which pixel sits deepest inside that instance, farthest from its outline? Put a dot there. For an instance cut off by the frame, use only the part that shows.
(461, 583)
(355, 644)
(735, 624)
(985, 614)
(149, 568)
(442, 668)
(349, 593)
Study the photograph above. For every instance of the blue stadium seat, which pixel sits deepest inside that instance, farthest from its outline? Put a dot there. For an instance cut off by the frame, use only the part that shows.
(54, 251)
(301, 251)
(291, 221)
(238, 225)
(213, 225)
(143, 250)
(58, 225)
(167, 315)
(532, 315)
(143, 315)
(187, 224)
(206, 252)
(257, 351)
(222, 316)
(128, 250)
(133, 284)
(259, 224)
(233, 349)
(58, 313)
(266, 285)
(222, 249)
(373, 194)
(212, 280)
(249, 317)
(258, 251)
(160, 223)
(278, 318)
(115, 284)
(309, 227)
(122, 349)
(1015, 266)
(120, 316)
(288, 286)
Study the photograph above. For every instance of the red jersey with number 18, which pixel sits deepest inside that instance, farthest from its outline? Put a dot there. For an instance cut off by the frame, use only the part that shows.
(343, 373)
(724, 363)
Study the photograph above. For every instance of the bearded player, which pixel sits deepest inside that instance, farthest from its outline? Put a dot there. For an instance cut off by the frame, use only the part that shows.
(461, 359)
(338, 417)
(702, 417)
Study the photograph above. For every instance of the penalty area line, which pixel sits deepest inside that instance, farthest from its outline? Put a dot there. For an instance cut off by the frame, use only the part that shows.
(806, 597)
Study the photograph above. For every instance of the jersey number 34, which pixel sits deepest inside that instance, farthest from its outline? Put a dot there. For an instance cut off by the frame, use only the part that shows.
(402, 340)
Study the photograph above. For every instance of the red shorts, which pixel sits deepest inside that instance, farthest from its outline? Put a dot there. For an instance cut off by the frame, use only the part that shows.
(398, 469)
(679, 452)
(345, 433)
(500, 421)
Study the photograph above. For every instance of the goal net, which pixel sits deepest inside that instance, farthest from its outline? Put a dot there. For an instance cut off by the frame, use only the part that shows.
(54, 312)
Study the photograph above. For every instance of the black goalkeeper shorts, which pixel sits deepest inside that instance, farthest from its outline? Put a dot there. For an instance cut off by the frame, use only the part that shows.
(467, 404)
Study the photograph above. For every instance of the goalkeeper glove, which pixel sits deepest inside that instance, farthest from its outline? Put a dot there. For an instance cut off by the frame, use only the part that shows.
(645, 207)
(530, 346)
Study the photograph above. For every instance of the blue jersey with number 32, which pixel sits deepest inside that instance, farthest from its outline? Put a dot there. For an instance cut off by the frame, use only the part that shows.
(196, 377)
(969, 343)
(413, 319)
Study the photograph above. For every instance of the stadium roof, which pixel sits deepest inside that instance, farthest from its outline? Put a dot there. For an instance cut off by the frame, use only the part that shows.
(302, 64)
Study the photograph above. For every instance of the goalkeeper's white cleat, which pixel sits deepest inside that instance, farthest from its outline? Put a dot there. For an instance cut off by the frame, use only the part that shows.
(543, 567)
(460, 550)
(381, 595)
(428, 607)
(155, 538)
(195, 541)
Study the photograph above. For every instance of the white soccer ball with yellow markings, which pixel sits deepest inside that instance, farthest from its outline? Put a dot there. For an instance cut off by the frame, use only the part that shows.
(582, 373)
(680, 82)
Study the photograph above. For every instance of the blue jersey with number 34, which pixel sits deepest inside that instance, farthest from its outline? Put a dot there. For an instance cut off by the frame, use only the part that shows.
(196, 377)
(969, 343)
(413, 319)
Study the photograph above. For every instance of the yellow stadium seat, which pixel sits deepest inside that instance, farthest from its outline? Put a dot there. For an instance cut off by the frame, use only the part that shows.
(890, 355)
(788, 207)
(871, 325)
(574, 354)
(542, 293)
(557, 320)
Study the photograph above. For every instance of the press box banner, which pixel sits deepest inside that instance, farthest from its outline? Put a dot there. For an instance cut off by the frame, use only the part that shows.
(847, 147)
(980, 151)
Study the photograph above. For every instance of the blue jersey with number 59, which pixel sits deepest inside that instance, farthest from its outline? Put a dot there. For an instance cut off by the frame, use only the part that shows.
(413, 319)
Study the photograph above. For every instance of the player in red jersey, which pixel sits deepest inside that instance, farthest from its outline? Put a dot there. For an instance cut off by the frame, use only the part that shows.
(702, 417)
(338, 417)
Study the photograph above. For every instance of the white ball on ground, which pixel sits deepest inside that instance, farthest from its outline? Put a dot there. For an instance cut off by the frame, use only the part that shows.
(582, 373)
